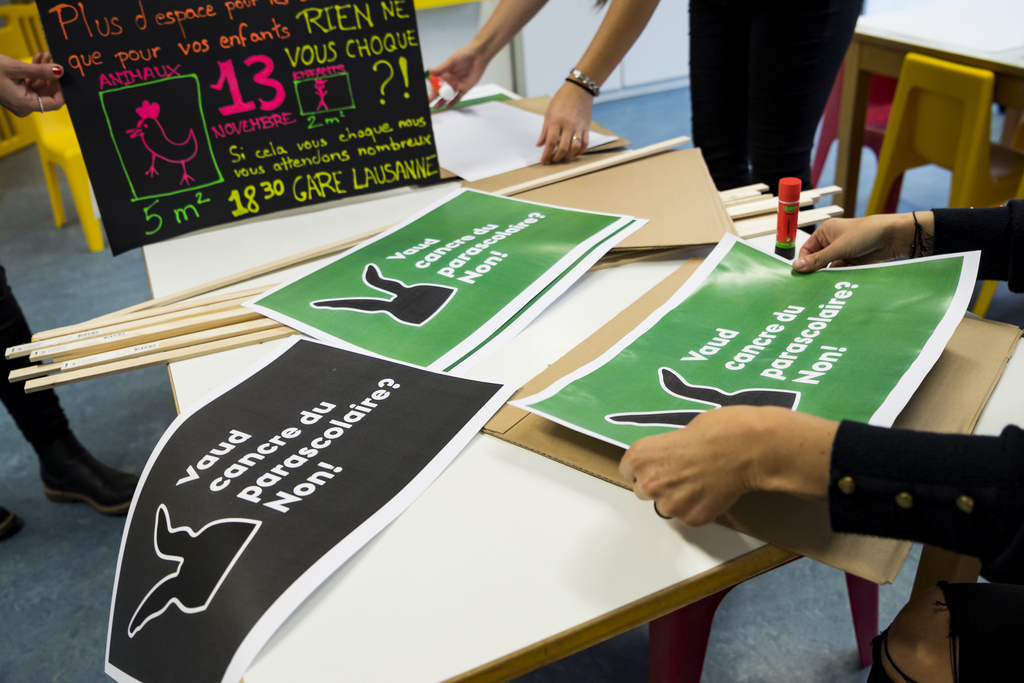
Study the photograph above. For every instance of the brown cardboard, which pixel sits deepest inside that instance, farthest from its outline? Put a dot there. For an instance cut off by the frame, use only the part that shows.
(673, 190)
(949, 400)
(539, 105)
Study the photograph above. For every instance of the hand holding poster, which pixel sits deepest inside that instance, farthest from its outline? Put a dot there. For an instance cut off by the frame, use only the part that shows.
(439, 286)
(843, 343)
(196, 115)
(256, 496)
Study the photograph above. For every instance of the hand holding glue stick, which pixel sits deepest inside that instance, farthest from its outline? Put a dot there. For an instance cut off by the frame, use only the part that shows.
(443, 89)
(789, 212)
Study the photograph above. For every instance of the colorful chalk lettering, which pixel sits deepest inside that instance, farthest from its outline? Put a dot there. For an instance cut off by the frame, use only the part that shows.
(216, 112)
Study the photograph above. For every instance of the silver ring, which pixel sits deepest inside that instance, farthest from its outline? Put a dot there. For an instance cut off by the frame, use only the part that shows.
(658, 512)
(41, 110)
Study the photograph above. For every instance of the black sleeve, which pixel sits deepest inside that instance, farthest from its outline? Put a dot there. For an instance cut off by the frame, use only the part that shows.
(997, 232)
(962, 493)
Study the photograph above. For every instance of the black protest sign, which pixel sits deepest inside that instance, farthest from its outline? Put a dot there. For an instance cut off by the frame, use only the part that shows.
(191, 115)
(252, 500)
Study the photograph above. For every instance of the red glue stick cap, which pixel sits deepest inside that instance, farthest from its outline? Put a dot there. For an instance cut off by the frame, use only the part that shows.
(789, 190)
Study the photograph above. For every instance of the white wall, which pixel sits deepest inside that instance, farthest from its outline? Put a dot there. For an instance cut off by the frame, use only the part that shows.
(444, 29)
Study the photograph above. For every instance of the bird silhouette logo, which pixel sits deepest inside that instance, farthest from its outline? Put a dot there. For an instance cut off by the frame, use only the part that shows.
(203, 560)
(673, 383)
(154, 139)
(409, 304)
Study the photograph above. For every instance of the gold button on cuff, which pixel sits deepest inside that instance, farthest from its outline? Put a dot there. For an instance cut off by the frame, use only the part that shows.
(965, 504)
(905, 500)
(846, 485)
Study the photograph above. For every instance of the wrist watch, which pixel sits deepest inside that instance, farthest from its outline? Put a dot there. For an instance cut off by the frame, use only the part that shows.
(580, 78)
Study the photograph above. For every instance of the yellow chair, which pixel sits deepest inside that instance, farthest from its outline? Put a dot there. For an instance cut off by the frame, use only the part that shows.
(941, 114)
(52, 132)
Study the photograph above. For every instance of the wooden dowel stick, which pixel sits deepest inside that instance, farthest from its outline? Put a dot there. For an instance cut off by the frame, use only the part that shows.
(120, 340)
(745, 191)
(766, 225)
(156, 359)
(583, 169)
(27, 349)
(768, 205)
(171, 343)
(254, 272)
(22, 374)
(116, 318)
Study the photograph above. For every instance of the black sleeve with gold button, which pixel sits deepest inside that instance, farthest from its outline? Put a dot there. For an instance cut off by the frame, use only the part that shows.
(963, 493)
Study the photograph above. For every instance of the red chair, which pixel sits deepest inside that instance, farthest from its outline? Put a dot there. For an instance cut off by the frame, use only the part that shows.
(677, 642)
(879, 103)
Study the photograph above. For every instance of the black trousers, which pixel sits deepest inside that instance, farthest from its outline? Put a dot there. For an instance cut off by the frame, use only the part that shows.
(760, 75)
(38, 415)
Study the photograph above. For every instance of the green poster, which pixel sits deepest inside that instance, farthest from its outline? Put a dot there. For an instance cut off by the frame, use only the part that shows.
(842, 343)
(436, 289)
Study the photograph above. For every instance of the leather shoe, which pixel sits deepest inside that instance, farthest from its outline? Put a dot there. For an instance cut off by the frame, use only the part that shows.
(10, 523)
(71, 475)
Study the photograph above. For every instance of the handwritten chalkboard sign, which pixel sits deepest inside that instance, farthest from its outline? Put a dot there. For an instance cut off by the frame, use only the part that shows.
(193, 114)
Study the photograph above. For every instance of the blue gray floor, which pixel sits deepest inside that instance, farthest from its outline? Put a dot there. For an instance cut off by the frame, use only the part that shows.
(56, 575)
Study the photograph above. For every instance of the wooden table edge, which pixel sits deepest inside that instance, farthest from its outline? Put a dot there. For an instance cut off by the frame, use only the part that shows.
(629, 616)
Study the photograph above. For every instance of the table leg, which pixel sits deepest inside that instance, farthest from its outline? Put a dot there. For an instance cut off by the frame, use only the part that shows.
(864, 606)
(852, 112)
(678, 641)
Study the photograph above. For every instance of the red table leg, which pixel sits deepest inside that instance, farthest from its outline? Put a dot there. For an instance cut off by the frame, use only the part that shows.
(679, 640)
(864, 605)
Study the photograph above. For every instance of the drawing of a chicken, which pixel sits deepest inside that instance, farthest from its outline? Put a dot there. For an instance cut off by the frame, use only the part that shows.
(155, 139)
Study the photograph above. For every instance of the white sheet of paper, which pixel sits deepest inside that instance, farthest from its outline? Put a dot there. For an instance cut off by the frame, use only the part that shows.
(491, 138)
(989, 26)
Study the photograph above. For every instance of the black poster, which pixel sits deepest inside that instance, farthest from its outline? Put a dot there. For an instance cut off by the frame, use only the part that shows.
(253, 499)
(192, 115)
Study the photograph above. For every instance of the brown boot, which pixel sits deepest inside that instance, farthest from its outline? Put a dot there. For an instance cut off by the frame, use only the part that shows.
(70, 474)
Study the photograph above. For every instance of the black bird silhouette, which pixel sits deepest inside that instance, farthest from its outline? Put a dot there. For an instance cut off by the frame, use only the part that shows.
(204, 559)
(411, 305)
(673, 383)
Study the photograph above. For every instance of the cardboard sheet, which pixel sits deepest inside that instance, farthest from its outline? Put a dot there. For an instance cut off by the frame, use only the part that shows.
(673, 190)
(949, 400)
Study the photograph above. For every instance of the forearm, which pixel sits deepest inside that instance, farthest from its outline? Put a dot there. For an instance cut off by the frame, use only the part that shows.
(997, 232)
(507, 20)
(622, 25)
(962, 493)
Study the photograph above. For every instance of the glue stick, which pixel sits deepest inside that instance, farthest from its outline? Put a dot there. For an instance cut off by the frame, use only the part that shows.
(444, 89)
(789, 212)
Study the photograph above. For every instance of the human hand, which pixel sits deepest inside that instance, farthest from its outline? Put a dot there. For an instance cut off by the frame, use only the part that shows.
(696, 473)
(462, 71)
(566, 131)
(860, 241)
(23, 87)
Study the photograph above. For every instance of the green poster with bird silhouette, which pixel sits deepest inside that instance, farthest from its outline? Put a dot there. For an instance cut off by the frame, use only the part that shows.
(447, 285)
(746, 329)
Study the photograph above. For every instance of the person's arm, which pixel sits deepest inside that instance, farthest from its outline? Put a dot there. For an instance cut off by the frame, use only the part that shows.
(997, 232)
(463, 69)
(696, 473)
(861, 241)
(566, 132)
(959, 492)
(25, 88)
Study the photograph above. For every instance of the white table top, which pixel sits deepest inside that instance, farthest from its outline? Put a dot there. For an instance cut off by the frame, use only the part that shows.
(507, 548)
(986, 29)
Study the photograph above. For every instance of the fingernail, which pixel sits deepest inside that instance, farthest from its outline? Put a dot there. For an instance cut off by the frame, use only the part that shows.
(799, 263)
(58, 70)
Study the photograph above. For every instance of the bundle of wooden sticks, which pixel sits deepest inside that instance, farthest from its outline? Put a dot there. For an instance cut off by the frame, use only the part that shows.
(188, 324)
